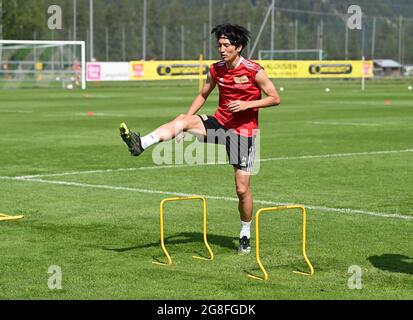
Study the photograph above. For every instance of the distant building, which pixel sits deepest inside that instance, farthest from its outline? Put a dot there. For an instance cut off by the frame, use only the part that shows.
(387, 68)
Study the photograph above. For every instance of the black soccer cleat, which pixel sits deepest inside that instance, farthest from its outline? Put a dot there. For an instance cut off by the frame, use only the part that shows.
(244, 246)
(132, 139)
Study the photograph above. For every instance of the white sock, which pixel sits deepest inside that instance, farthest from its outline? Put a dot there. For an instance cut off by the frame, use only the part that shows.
(149, 140)
(245, 230)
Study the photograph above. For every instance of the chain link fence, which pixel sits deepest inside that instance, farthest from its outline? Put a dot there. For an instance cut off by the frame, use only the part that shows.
(181, 30)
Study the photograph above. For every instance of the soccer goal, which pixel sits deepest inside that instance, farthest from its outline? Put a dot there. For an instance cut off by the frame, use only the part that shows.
(42, 64)
(299, 54)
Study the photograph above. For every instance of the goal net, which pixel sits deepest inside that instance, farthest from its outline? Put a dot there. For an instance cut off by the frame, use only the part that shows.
(42, 64)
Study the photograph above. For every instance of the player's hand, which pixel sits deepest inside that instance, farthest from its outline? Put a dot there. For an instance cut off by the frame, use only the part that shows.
(237, 106)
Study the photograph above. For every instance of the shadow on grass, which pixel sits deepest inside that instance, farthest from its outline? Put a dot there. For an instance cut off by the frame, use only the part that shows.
(186, 237)
(257, 272)
(393, 263)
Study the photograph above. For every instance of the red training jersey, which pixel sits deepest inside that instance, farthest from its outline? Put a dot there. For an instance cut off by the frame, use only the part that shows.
(237, 84)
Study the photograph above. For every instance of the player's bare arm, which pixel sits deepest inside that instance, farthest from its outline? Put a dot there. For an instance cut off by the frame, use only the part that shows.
(202, 96)
(267, 87)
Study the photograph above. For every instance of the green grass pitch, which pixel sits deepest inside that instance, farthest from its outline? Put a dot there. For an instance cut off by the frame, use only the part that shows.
(345, 154)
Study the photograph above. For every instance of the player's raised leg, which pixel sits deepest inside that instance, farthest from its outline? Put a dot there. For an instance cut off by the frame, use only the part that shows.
(168, 131)
(183, 123)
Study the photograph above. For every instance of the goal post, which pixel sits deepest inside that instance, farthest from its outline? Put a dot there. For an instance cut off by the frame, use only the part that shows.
(37, 61)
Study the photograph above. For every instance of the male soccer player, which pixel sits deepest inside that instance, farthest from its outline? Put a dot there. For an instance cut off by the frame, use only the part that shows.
(240, 82)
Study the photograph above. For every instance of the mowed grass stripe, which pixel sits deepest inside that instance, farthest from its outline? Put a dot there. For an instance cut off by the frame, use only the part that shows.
(336, 155)
(181, 194)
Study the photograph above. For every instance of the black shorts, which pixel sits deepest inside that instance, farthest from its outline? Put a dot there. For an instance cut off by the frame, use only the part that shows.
(240, 149)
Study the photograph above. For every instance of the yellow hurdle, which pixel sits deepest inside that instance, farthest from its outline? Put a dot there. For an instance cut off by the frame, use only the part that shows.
(163, 202)
(257, 234)
(5, 217)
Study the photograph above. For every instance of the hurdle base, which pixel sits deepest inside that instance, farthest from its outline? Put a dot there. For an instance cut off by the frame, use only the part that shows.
(258, 278)
(5, 217)
(170, 262)
(162, 263)
(303, 273)
(202, 258)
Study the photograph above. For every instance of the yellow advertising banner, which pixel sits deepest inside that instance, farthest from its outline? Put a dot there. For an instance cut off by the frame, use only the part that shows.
(169, 70)
(191, 69)
(318, 69)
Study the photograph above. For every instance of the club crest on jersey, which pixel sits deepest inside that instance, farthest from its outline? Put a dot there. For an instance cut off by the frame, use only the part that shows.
(242, 79)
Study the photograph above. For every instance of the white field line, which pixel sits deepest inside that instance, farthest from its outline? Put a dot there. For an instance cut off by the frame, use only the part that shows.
(180, 194)
(100, 171)
(96, 96)
(167, 98)
(338, 155)
(332, 123)
(14, 111)
(334, 155)
(99, 114)
(377, 103)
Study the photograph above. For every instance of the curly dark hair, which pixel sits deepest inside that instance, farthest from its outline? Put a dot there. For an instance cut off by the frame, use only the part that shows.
(237, 35)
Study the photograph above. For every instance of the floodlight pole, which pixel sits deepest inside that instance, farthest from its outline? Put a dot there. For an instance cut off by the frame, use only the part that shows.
(363, 80)
(182, 42)
(35, 50)
(272, 26)
(1, 20)
(296, 38)
(321, 36)
(373, 38)
(87, 41)
(204, 40)
(1, 33)
(346, 42)
(91, 29)
(363, 36)
(74, 36)
(145, 7)
(123, 43)
(210, 29)
(400, 38)
(107, 43)
(163, 42)
(74, 19)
